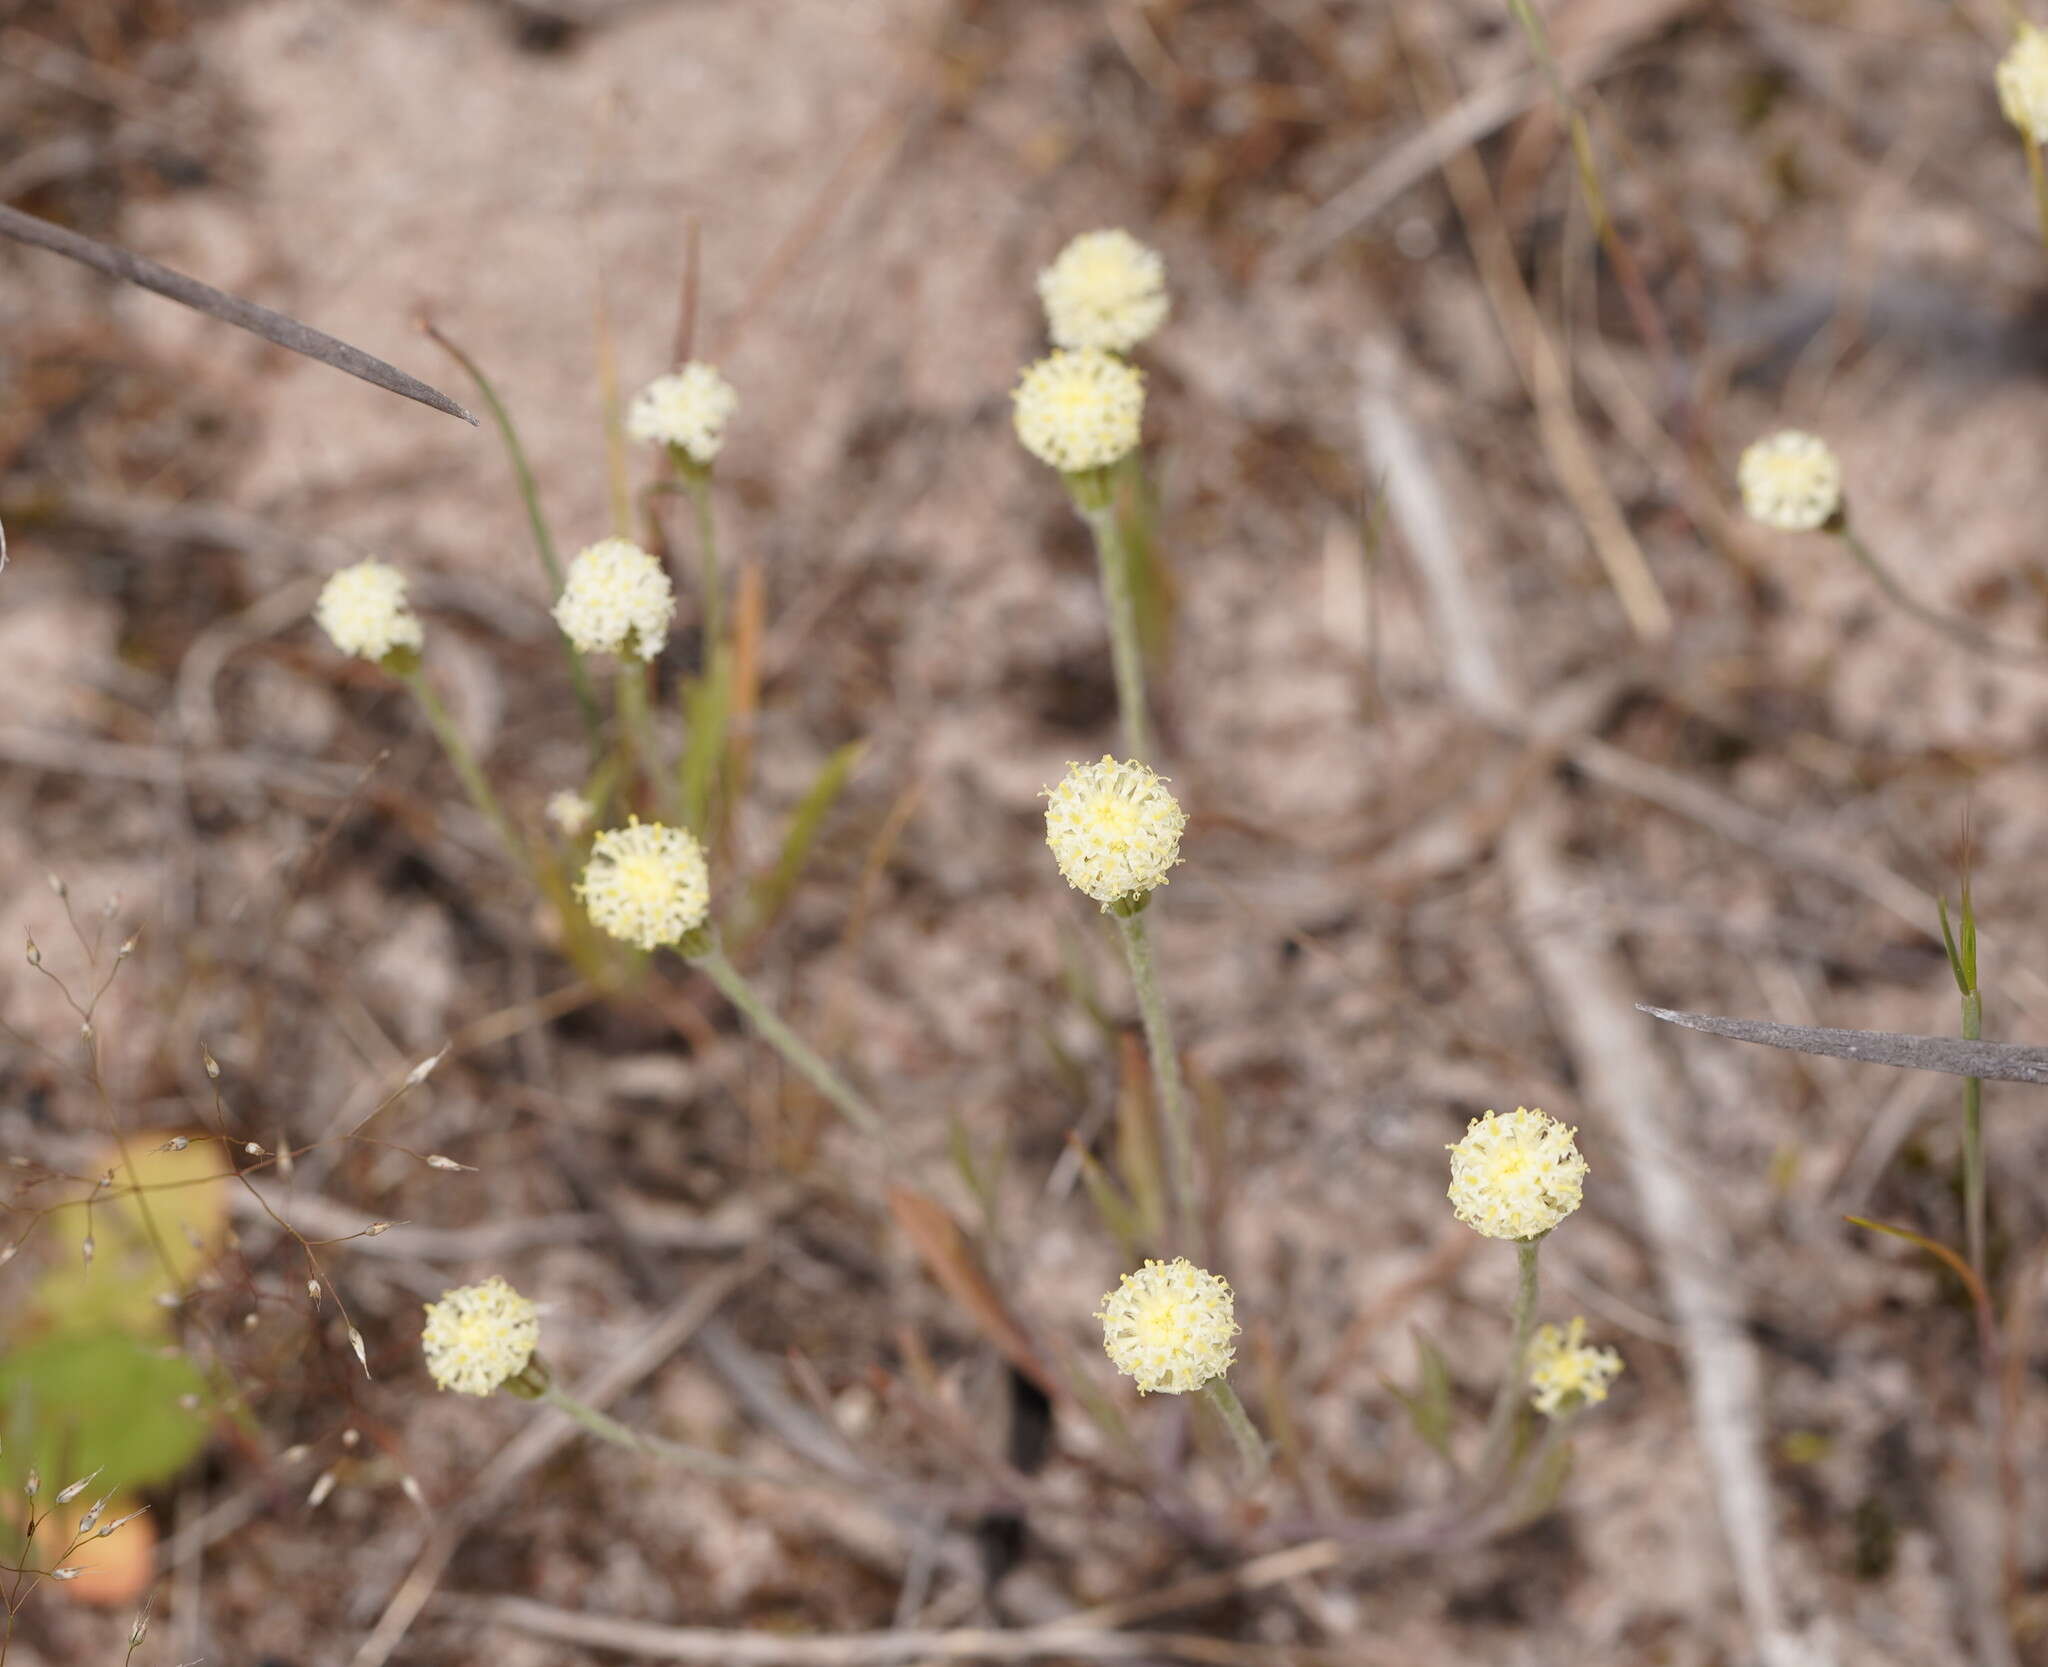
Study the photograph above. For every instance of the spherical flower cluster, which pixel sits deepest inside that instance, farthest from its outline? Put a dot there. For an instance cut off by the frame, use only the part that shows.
(646, 884)
(1106, 289)
(570, 812)
(616, 600)
(2023, 83)
(1079, 410)
(1515, 1177)
(1169, 1326)
(1564, 1374)
(363, 609)
(688, 408)
(1113, 828)
(1790, 480)
(478, 1336)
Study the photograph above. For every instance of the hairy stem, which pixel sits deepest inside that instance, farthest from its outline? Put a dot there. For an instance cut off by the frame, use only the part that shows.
(1173, 1094)
(1113, 558)
(1251, 1446)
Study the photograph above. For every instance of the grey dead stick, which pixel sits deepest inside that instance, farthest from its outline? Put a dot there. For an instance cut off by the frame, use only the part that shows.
(1627, 1083)
(229, 309)
(2001, 1061)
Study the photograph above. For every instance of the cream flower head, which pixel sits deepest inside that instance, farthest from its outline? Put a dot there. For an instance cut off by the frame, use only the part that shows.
(2023, 83)
(1564, 1374)
(1105, 289)
(688, 408)
(1515, 1177)
(570, 812)
(1079, 410)
(1790, 480)
(479, 1336)
(1113, 828)
(616, 600)
(646, 884)
(1169, 1326)
(363, 608)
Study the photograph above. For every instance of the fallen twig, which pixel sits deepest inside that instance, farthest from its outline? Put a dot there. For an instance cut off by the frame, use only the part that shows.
(2001, 1061)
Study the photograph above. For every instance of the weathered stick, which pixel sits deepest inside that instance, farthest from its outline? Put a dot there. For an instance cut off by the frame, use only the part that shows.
(2003, 1061)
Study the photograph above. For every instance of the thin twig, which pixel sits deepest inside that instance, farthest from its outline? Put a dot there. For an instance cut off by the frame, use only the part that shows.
(1998, 1061)
(229, 309)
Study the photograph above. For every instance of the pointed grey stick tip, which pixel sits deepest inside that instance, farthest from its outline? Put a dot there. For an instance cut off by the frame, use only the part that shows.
(1952, 1055)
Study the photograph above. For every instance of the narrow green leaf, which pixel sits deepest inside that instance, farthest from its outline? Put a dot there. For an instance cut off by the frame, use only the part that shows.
(1429, 1404)
(773, 890)
(704, 711)
(1115, 1208)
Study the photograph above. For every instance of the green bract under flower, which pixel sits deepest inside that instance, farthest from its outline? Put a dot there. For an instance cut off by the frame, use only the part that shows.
(1515, 1177)
(1113, 828)
(479, 1336)
(1080, 410)
(1168, 1326)
(363, 609)
(646, 884)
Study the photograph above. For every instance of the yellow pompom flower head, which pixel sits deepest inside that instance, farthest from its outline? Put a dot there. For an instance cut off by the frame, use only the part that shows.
(1565, 1373)
(1791, 480)
(479, 1338)
(1106, 289)
(647, 884)
(363, 609)
(686, 409)
(2023, 83)
(1515, 1177)
(1114, 831)
(1168, 1327)
(1079, 410)
(616, 600)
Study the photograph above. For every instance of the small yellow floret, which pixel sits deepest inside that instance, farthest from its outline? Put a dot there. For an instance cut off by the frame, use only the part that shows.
(478, 1336)
(1564, 1374)
(688, 408)
(1169, 1326)
(2023, 83)
(616, 600)
(570, 812)
(1105, 289)
(1791, 481)
(646, 884)
(1515, 1177)
(1113, 828)
(363, 608)
(1079, 410)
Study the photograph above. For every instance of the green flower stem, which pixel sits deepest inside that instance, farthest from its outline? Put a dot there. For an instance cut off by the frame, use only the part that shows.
(1173, 1094)
(697, 480)
(1251, 1446)
(1973, 1138)
(529, 496)
(1959, 630)
(1508, 1400)
(637, 729)
(1119, 597)
(712, 962)
(607, 1428)
(467, 770)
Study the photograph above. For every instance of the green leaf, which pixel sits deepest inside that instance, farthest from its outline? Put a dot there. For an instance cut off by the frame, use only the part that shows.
(1429, 1405)
(82, 1401)
(774, 888)
(704, 710)
(1118, 1213)
(1545, 1484)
